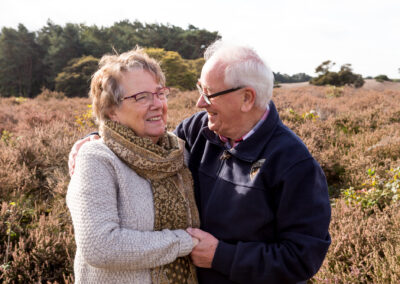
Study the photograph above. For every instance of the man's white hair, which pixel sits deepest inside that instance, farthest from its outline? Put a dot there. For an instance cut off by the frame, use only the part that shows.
(242, 67)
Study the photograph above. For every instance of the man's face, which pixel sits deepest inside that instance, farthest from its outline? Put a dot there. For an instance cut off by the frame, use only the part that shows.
(224, 110)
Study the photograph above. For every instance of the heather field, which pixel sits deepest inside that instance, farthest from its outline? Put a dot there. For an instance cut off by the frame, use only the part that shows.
(353, 133)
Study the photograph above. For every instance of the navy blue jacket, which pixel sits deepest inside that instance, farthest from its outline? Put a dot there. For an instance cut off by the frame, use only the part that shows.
(266, 200)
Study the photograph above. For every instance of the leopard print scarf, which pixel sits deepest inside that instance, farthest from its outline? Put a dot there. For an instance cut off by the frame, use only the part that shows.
(171, 183)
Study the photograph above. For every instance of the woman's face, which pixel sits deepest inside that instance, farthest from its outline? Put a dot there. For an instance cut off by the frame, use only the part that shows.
(146, 119)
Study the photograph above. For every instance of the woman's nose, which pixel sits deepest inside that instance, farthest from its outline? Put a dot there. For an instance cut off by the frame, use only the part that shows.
(156, 101)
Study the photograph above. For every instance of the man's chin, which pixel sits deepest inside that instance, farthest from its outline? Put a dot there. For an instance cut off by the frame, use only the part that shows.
(211, 126)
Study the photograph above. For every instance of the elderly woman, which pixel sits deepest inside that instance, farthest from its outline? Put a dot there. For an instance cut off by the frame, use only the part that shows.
(131, 196)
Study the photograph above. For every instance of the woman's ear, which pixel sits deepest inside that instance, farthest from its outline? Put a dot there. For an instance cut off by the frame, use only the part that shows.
(112, 114)
(249, 99)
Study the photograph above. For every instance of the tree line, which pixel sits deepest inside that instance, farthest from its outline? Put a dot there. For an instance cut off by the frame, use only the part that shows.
(295, 78)
(64, 57)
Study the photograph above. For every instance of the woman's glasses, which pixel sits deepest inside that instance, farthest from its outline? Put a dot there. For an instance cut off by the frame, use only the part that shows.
(147, 97)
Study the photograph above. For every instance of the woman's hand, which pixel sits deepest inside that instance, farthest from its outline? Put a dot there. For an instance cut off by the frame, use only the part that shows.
(195, 241)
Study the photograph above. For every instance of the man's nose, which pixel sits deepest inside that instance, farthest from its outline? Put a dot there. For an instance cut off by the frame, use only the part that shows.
(201, 103)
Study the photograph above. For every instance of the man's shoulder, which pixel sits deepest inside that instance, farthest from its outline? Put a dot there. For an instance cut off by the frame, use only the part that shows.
(198, 119)
(286, 148)
(286, 139)
(190, 128)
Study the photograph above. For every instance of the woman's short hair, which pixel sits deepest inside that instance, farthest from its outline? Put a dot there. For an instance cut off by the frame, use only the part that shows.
(243, 67)
(106, 91)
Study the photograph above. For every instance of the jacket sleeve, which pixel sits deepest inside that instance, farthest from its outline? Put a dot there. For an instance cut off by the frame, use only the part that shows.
(302, 238)
(103, 242)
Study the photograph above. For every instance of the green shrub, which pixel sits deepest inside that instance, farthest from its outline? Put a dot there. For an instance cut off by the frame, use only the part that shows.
(180, 73)
(375, 191)
(196, 65)
(293, 116)
(74, 80)
(7, 138)
(344, 77)
(382, 78)
(156, 53)
(328, 78)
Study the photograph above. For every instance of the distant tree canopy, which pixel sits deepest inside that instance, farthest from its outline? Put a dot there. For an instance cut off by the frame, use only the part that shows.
(381, 78)
(345, 76)
(21, 63)
(296, 78)
(53, 56)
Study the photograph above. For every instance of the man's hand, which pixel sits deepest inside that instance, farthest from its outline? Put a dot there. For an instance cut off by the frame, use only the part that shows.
(75, 150)
(202, 255)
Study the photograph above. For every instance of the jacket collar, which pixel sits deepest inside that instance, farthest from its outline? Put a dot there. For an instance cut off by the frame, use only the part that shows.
(250, 149)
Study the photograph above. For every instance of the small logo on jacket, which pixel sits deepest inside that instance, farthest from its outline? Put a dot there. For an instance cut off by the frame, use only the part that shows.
(255, 168)
(225, 155)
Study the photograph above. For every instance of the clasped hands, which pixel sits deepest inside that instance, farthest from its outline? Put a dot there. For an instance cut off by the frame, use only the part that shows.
(203, 252)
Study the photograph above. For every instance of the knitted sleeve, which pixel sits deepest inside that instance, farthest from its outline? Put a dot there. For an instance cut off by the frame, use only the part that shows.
(103, 242)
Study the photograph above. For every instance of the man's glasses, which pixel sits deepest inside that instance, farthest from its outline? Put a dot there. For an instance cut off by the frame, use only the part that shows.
(146, 97)
(208, 97)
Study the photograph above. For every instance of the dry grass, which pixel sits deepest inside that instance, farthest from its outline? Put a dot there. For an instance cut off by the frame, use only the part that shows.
(351, 131)
(354, 132)
(365, 248)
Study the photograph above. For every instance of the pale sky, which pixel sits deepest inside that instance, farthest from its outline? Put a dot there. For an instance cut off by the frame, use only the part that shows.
(293, 36)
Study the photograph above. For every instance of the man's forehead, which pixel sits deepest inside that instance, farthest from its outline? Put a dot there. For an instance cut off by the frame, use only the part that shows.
(207, 83)
(211, 74)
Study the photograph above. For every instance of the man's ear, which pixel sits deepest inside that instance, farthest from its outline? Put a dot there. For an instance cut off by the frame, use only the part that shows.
(249, 99)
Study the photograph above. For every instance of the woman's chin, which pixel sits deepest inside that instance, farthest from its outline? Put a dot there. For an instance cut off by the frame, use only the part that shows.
(155, 135)
(154, 139)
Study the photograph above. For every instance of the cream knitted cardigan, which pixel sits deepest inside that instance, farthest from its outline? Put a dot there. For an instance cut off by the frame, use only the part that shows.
(113, 215)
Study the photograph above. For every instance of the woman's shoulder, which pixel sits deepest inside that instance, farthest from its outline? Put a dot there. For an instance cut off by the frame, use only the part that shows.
(95, 146)
(96, 156)
(96, 149)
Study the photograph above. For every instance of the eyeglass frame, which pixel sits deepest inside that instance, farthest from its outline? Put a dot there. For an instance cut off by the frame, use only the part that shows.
(208, 97)
(153, 93)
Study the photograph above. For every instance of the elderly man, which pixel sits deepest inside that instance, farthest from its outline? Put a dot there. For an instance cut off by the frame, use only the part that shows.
(262, 198)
